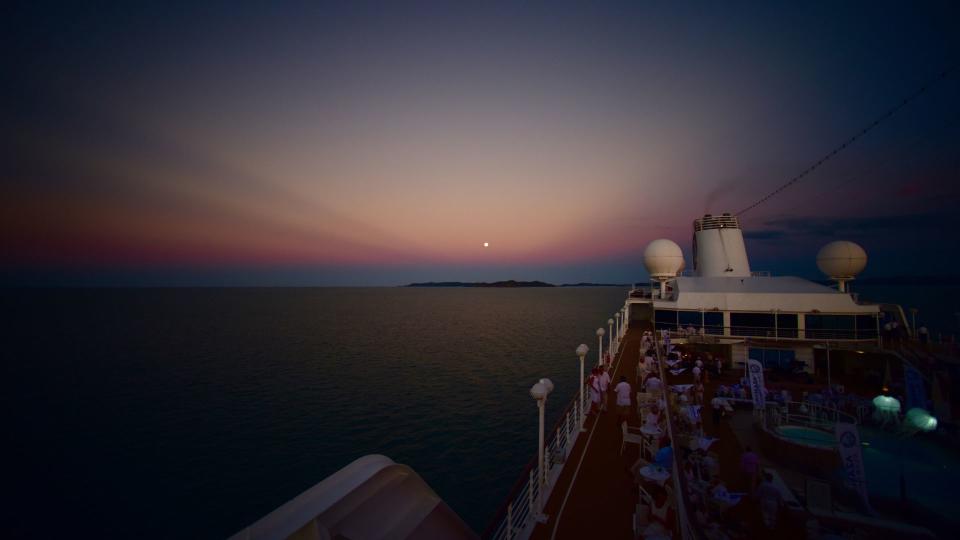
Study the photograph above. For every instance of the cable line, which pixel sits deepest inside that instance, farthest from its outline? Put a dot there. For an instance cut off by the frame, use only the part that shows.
(848, 142)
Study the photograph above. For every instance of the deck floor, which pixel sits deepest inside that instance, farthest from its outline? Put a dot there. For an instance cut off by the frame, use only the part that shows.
(601, 500)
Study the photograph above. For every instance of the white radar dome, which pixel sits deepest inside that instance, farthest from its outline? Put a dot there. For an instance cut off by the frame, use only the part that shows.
(841, 259)
(663, 258)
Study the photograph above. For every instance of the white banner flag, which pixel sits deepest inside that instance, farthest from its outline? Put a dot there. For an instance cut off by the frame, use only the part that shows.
(848, 443)
(755, 379)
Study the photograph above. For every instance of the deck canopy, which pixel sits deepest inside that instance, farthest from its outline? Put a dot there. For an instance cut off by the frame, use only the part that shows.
(759, 294)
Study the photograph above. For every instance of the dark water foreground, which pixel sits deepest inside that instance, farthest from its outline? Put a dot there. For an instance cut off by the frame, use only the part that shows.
(182, 413)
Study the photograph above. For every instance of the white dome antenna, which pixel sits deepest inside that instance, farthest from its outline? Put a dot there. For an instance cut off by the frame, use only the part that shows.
(841, 261)
(663, 259)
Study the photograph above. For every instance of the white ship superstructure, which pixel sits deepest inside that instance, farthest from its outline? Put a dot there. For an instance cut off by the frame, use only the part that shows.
(774, 319)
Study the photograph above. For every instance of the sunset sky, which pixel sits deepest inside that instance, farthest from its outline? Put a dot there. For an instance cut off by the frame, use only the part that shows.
(352, 143)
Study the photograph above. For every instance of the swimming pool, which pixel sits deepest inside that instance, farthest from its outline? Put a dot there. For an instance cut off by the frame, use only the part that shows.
(807, 436)
(931, 471)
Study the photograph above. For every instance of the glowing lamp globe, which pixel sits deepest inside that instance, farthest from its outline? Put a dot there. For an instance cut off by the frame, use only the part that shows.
(841, 259)
(921, 419)
(886, 404)
(538, 391)
(601, 332)
(663, 258)
(547, 384)
(582, 350)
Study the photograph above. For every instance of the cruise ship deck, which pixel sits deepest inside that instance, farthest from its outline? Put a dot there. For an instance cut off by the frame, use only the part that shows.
(596, 495)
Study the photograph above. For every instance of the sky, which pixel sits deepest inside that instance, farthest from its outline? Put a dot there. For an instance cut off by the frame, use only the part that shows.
(354, 143)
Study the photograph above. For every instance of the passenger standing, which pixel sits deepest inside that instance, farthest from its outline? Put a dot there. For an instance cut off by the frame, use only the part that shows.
(696, 373)
(604, 386)
(623, 391)
(770, 499)
(717, 404)
(594, 383)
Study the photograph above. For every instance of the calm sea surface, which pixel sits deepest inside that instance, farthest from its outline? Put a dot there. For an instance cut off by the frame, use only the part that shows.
(186, 413)
(176, 413)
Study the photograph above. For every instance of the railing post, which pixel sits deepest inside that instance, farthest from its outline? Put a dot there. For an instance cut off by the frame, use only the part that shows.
(510, 521)
(551, 455)
(532, 510)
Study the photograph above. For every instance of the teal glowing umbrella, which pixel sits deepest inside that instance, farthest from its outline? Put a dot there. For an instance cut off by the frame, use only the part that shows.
(921, 419)
(886, 404)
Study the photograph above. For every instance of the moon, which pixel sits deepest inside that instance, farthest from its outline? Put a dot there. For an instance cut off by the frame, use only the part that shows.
(486, 244)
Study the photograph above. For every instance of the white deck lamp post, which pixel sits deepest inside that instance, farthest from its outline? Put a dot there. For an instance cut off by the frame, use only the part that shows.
(600, 333)
(582, 351)
(539, 392)
(610, 336)
(619, 325)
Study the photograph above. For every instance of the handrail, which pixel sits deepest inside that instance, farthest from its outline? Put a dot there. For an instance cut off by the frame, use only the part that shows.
(768, 332)
(514, 514)
(806, 414)
(687, 532)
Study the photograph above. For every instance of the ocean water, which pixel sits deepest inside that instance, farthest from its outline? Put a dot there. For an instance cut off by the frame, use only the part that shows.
(191, 413)
(937, 304)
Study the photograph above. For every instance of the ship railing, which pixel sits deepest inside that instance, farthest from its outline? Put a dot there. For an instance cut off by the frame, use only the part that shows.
(641, 291)
(807, 414)
(516, 517)
(711, 333)
(683, 523)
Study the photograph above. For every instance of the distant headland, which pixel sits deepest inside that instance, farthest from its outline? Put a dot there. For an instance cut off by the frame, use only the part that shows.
(509, 284)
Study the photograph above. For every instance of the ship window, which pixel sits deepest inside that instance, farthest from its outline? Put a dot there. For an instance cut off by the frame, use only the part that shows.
(689, 318)
(752, 324)
(830, 326)
(713, 322)
(665, 318)
(778, 359)
(787, 325)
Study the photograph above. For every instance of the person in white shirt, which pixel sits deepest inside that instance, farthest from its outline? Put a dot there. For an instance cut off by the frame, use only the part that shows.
(604, 386)
(696, 373)
(718, 403)
(594, 383)
(623, 391)
(653, 384)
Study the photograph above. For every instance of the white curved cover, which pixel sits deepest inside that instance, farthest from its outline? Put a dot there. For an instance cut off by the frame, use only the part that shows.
(663, 258)
(372, 498)
(841, 259)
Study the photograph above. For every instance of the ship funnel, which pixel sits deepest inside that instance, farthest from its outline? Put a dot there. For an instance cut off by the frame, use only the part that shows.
(718, 248)
(841, 261)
